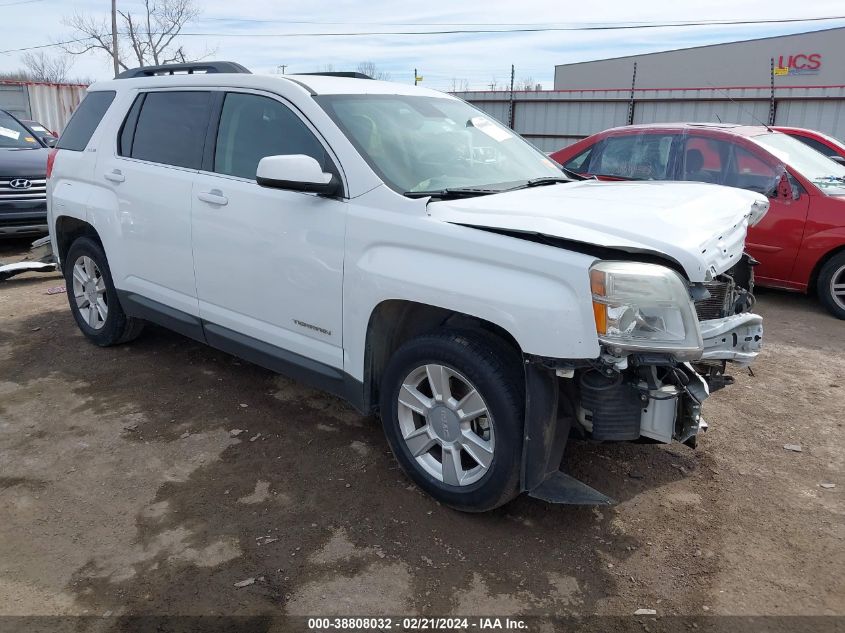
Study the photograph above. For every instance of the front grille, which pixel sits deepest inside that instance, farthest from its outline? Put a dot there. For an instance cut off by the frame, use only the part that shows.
(713, 307)
(37, 189)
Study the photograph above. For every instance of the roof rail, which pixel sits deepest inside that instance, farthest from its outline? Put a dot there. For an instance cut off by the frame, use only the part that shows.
(332, 73)
(189, 68)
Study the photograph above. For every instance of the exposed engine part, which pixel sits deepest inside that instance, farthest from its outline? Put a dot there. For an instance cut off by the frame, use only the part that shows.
(658, 417)
(660, 402)
(729, 293)
(611, 405)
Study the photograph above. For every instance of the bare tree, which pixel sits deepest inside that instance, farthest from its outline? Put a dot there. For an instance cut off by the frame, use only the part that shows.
(371, 70)
(42, 67)
(147, 38)
(459, 85)
(493, 84)
(525, 84)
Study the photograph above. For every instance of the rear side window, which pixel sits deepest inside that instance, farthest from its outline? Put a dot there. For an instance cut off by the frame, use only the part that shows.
(816, 145)
(252, 127)
(635, 157)
(170, 128)
(85, 120)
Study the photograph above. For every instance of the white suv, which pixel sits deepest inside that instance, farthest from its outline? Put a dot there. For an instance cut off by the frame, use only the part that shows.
(400, 248)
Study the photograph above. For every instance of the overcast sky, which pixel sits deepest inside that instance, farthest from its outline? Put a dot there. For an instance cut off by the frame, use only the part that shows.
(477, 58)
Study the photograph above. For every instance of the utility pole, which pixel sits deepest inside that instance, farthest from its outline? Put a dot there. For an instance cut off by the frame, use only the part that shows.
(510, 103)
(283, 67)
(630, 118)
(415, 76)
(115, 54)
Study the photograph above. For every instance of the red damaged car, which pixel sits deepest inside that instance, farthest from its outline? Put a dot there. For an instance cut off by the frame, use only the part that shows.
(800, 243)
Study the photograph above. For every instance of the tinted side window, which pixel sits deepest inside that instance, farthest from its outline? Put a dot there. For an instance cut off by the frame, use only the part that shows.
(816, 145)
(171, 128)
(127, 130)
(637, 157)
(580, 161)
(85, 120)
(252, 127)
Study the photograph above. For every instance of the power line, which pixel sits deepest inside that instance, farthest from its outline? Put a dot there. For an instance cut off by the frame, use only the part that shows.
(571, 25)
(12, 4)
(539, 29)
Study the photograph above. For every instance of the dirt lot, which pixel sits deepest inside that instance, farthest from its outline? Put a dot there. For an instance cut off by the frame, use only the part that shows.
(123, 489)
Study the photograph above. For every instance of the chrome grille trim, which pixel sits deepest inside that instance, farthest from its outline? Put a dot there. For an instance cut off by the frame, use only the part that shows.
(37, 190)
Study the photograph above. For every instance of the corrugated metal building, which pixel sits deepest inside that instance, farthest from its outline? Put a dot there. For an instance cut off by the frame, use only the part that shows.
(730, 82)
(49, 104)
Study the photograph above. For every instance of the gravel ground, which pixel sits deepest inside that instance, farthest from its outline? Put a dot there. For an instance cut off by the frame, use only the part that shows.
(151, 478)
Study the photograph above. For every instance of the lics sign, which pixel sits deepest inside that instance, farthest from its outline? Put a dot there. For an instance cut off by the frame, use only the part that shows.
(799, 64)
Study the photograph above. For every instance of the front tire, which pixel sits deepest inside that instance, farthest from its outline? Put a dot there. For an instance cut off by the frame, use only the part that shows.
(831, 285)
(452, 408)
(93, 298)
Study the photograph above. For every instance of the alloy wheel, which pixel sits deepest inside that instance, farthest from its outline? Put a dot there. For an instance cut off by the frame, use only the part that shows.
(89, 291)
(446, 425)
(837, 287)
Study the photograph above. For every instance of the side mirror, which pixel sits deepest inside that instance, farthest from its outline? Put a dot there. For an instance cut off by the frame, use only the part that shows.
(295, 172)
(49, 140)
(783, 189)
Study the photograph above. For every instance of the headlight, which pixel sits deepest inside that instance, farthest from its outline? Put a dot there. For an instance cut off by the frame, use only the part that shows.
(644, 307)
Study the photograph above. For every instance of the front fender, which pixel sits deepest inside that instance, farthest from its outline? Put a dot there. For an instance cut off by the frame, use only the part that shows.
(537, 293)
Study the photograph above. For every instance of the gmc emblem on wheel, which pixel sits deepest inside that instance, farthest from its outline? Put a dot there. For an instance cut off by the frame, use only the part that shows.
(20, 183)
(443, 424)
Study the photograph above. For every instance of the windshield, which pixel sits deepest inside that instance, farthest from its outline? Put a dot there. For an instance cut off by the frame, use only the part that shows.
(430, 144)
(827, 175)
(14, 135)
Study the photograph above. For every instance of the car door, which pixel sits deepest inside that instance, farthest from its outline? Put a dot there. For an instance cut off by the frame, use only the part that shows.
(269, 262)
(159, 152)
(776, 239)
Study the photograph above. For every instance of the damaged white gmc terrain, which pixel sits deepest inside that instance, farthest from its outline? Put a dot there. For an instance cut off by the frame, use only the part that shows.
(399, 248)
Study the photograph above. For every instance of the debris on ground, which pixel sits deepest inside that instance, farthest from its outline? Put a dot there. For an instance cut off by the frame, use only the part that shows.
(265, 540)
(255, 437)
(827, 485)
(235, 432)
(795, 448)
(245, 583)
(184, 435)
(56, 290)
(645, 612)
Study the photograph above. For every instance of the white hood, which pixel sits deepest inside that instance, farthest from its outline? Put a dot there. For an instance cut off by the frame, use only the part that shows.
(702, 227)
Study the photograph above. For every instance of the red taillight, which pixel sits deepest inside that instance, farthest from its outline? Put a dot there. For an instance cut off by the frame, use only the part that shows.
(51, 158)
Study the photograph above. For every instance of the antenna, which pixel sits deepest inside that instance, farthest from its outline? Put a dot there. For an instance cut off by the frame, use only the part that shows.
(739, 105)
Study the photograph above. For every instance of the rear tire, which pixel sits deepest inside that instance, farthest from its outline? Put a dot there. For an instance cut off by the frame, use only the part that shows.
(831, 285)
(93, 298)
(452, 408)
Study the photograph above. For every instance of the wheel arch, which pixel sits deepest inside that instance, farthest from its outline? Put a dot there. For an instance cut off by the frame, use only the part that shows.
(812, 285)
(67, 230)
(395, 321)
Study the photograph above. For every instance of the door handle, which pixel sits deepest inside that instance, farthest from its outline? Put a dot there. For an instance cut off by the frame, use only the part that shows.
(114, 175)
(215, 196)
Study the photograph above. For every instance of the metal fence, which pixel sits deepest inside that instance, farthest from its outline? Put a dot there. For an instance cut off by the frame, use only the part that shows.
(552, 119)
(49, 104)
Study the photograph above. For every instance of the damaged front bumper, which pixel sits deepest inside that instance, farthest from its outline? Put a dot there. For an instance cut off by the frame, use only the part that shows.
(638, 396)
(736, 338)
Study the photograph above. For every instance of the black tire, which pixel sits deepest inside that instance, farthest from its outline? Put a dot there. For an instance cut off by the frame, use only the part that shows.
(118, 327)
(834, 268)
(496, 373)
